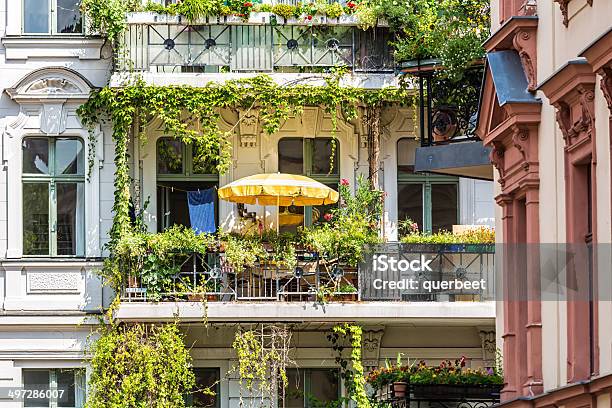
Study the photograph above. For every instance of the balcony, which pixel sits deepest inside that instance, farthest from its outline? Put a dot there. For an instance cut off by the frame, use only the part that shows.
(262, 43)
(318, 288)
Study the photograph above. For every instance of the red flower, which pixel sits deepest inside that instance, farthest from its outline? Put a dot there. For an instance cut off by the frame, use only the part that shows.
(350, 4)
(344, 182)
(248, 4)
(328, 217)
(309, 17)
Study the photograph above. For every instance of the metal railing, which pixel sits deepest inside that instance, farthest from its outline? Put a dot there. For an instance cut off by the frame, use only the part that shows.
(195, 276)
(440, 396)
(174, 48)
(428, 273)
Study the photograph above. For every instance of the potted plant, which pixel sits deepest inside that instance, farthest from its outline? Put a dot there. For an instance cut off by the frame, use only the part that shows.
(346, 292)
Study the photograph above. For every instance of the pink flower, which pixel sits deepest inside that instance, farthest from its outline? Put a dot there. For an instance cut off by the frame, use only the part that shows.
(344, 182)
(328, 217)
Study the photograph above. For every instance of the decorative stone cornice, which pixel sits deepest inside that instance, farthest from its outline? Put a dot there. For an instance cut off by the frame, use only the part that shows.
(519, 34)
(599, 56)
(571, 91)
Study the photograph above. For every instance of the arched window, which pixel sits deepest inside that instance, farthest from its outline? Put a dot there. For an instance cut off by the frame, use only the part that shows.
(181, 168)
(311, 157)
(429, 200)
(53, 176)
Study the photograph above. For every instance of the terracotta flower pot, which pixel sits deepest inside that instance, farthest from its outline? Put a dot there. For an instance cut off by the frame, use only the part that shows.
(399, 389)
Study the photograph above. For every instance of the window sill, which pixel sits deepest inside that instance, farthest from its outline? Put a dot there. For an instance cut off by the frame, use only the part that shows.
(27, 46)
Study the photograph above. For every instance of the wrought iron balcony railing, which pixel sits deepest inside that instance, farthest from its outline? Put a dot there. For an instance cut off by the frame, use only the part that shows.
(212, 48)
(438, 273)
(439, 395)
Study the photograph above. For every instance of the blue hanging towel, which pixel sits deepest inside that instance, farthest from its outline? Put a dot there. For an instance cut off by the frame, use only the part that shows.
(202, 210)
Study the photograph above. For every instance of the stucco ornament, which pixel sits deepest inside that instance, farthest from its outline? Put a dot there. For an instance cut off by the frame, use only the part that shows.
(53, 86)
(53, 282)
(249, 125)
(371, 341)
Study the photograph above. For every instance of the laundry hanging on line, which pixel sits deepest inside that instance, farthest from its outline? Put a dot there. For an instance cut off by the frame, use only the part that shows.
(202, 210)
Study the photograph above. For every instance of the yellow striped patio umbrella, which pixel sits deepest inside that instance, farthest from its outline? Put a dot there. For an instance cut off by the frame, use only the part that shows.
(278, 189)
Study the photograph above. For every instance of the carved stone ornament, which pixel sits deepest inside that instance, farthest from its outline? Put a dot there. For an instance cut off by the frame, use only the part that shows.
(53, 119)
(563, 5)
(488, 345)
(53, 86)
(497, 159)
(371, 341)
(249, 127)
(585, 122)
(606, 85)
(525, 43)
(520, 140)
(53, 282)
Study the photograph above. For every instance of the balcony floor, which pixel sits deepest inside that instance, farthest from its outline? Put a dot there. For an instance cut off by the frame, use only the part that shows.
(434, 313)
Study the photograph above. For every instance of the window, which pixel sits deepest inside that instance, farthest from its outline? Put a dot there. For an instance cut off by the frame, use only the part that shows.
(61, 388)
(427, 199)
(52, 17)
(206, 379)
(53, 196)
(310, 157)
(312, 387)
(181, 168)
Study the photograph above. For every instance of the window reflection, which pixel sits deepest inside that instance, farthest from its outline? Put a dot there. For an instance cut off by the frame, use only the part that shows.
(35, 155)
(69, 18)
(69, 156)
(169, 156)
(36, 16)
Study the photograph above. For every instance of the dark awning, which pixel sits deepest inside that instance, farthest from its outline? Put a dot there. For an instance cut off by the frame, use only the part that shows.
(466, 159)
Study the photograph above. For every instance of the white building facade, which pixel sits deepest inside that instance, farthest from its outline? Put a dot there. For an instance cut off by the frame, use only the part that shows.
(56, 198)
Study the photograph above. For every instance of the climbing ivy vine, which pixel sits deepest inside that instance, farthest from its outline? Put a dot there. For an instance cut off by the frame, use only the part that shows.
(139, 366)
(354, 375)
(192, 114)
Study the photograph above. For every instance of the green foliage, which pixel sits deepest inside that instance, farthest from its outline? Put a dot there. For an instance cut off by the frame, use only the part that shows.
(367, 16)
(139, 366)
(192, 115)
(153, 258)
(107, 17)
(284, 10)
(242, 251)
(353, 375)
(353, 226)
(449, 30)
(333, 10)
(263, 356)
(446, 372)
(482, 235)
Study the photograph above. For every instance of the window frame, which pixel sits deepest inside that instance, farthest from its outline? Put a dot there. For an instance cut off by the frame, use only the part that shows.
(52, 21)
(79, 380)
(307, 160)
(426, 180)
(187, 176)
(52, 180)
(305, 374)
(217, 385)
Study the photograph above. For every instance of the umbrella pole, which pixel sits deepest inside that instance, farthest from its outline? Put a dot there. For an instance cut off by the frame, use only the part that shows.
(278, 215)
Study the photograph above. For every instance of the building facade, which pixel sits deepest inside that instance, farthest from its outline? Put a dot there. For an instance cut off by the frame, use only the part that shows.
(551, 147)
(55, 214)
